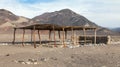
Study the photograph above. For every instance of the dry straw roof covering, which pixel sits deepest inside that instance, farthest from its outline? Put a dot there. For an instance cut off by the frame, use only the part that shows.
(54, 27)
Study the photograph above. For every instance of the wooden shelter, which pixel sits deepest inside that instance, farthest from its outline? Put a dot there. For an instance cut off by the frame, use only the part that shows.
(53, 27)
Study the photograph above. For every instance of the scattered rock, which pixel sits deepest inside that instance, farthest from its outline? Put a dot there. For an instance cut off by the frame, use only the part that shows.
(15, 61)
(72, 56)
(103, 66)
(7, 55)
(35, 63)
(21, 61)
(43, 59)
(53, 58)
(30, 61)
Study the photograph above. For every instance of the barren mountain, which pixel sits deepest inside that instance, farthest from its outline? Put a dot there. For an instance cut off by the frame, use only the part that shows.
(6, 15)
(7, 18)
(116, 29)
(65, 17)
(106, 31)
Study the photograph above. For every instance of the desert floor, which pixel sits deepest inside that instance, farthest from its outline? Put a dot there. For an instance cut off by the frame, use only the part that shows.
(84, 56)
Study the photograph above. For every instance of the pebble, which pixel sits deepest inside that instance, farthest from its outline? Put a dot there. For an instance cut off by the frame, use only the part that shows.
(7, 55)
(103, 66)
(53, 58)
(28, 62)
(43, 59)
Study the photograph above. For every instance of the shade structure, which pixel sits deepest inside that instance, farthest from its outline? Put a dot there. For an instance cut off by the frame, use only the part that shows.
(53, 27)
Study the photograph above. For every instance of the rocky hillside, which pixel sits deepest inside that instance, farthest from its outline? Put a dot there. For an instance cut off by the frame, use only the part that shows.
(106, 31)
(7, 18)
(65, 17)
(116, 29)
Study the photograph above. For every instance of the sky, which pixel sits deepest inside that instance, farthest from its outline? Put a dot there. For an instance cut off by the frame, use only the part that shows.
(105, 13)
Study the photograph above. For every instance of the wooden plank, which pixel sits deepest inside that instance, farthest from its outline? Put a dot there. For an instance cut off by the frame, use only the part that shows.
(23, 37)
(14, 36)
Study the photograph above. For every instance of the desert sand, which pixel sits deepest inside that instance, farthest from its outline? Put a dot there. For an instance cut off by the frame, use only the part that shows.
(84, 56)
(42, 56)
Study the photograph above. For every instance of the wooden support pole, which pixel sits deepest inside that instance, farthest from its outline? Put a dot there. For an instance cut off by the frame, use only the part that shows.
(59, 34)
(72, 34)
(54, 37)
(23, 37)
(84, 33)
(34, 37)
(73, 37)
(31, 36)
(94, 36)
(64, 38)
(65, 34)
(39, 36)
(49, 34)
(14, 36)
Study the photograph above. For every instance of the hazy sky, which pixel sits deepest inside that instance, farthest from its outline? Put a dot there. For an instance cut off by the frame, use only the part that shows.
(102, 12)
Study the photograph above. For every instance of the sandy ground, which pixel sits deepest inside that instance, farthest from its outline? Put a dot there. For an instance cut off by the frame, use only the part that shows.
(86, 56)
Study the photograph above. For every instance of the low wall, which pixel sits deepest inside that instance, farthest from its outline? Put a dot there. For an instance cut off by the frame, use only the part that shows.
(99, 39)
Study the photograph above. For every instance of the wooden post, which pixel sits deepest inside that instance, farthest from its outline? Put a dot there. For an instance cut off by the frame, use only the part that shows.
(49, 34)
(73, 36)
(76, 38)
(65, 34)
(95, 36)
(34, 38)
(64, 38)
(59, 34)
(31, 36)
(54, 37)
(23, 37)
(14, 36)
(39, 36)
(84, 33)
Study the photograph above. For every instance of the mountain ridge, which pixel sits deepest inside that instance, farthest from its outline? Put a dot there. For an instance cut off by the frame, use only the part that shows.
(63, 17)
